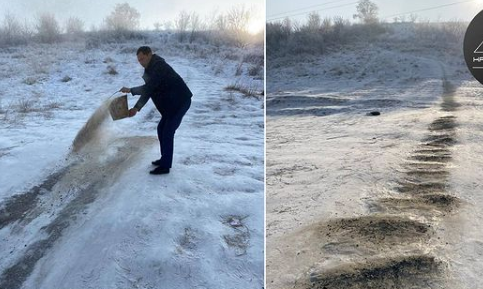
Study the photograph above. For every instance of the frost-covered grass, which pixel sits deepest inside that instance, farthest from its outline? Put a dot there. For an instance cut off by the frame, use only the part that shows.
(404, 54)
(284, 39)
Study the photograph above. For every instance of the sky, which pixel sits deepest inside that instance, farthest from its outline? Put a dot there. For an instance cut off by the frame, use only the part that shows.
(387, 8)
(93, 12)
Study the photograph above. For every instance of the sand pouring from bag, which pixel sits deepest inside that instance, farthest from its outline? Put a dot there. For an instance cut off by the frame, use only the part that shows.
(90, 130)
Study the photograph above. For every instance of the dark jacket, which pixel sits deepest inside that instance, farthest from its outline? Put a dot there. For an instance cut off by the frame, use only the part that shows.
(164, 86)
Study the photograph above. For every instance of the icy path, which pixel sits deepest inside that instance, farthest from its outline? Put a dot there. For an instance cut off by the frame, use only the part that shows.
(101, 221)
(357, 201)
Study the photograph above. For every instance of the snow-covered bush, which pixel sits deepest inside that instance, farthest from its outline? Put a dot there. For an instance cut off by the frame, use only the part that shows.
(25, 105)
(111, 69)
(48, 29)
(124, 18)
(230, 28)
(97, 38)
(317, 36)
(239, 69)
(254, 58)
(30, 80)
(12, 32)
(181, 25)
(255, 70)
(74, 26)
(452, 31)
(367, 12)
(278, 34)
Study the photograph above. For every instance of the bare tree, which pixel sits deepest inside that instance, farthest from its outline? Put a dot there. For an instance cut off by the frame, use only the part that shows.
(367, 12)
(27, 30)
(296, 26)
(286, 26)
(74, 26)
(195, 24)
(237, 20)
(221, 23)
(12, 32)
(313, 21)
(326, 24)
(210, 20)
(181, 24)
(339, 25)
(339, 21)
(11, 26)
(413, 17)
(123, 18)
(48, 29)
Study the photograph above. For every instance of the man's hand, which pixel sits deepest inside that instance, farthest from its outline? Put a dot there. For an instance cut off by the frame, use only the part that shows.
(125, 89)
(132, 112)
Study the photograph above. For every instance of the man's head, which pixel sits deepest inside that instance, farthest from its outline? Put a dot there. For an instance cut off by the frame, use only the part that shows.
(144, 55)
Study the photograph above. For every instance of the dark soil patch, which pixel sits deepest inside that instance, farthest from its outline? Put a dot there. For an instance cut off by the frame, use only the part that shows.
(443, 123)
(422, 188)
(420, 167)
(425, 204)
(438, 174)
(432, 158)
(385, 273)
(445, 140)
(434, 151)
(17, 207)
(376, 228)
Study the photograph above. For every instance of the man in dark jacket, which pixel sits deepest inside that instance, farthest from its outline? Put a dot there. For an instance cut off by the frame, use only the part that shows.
(170, 95)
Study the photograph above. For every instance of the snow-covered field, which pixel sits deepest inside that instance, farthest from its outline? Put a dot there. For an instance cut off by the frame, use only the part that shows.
(96, 218)
(362, 201)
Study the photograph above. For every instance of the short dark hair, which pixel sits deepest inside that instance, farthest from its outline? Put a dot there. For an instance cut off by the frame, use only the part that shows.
(144, 49)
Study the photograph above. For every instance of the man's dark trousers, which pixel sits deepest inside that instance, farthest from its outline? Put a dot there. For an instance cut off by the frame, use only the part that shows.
(166, 129)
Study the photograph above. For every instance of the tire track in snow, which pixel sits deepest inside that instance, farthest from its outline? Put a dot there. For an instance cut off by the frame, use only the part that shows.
(91, 173)
(18, 206)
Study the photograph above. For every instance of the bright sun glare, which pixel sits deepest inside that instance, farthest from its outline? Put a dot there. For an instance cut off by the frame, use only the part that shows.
(257, 25)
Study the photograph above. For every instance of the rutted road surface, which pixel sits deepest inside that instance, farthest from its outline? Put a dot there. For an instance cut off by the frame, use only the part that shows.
(394, 240)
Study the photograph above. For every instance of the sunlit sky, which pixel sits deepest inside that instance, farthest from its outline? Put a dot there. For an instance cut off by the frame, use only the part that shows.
(93, 12)
(387, 8)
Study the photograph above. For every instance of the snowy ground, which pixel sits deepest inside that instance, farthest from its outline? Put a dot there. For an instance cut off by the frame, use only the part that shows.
(361, 201)
(97, 219)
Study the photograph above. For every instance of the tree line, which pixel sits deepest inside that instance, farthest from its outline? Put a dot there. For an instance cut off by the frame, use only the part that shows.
(124, 22)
